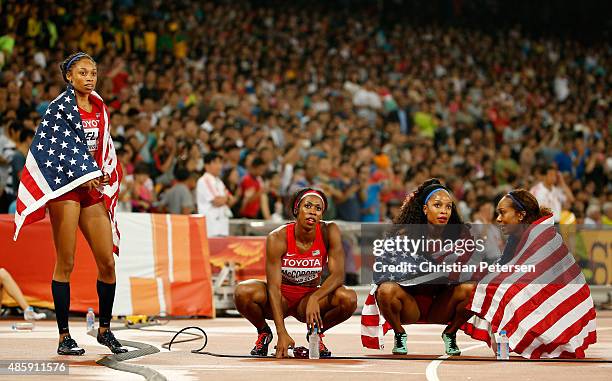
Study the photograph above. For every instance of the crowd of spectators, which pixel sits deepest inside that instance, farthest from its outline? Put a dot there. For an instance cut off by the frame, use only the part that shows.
(335, 98)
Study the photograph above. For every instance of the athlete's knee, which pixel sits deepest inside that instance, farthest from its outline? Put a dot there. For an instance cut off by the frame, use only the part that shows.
(347, 299)
(106, 267)
(463, 291)
(386, 291)
(64, 264)
(241, 292)
(248, 291)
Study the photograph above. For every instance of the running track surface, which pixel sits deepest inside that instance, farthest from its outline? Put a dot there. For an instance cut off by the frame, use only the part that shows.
(236, 336)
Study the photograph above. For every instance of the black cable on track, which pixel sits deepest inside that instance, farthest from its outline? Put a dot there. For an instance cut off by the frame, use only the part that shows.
(168, 345)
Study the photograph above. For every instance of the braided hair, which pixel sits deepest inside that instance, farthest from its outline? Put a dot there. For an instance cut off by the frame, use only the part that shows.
(297, 198)
(70, 61)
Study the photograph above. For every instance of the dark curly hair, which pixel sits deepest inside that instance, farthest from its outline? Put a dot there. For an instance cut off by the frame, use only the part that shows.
(295, 200)
(411, 211)
(71, 60)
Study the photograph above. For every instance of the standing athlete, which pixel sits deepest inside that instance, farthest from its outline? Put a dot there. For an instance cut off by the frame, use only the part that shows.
(72, 162)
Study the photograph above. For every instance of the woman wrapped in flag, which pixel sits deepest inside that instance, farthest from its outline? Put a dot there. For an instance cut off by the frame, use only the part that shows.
(408, 298)
(546, 313)
(71, 170)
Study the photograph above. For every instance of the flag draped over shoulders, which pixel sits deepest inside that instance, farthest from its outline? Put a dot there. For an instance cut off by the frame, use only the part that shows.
(59, 161)
(548, 313)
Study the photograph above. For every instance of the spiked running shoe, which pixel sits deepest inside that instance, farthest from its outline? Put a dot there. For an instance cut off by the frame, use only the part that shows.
(450, 344)
(323, 350)
(400, 344)
(261, 345)
(107, 339)
(69, 347)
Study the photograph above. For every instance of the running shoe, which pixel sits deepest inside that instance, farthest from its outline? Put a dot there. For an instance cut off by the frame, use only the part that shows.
(450, 344)
(69, 347)
(323, 351)
(29, 314)
(261, 345)
(400, 344)
(107, 339)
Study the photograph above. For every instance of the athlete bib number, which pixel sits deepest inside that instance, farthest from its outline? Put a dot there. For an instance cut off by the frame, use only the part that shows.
(91, 134)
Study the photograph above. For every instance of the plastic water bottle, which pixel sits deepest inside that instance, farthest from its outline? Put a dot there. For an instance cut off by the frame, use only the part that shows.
(503, 346)
(23, 326)
(91, 320)
(313, 343)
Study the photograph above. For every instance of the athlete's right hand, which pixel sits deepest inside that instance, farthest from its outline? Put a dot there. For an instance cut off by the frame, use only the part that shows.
(282, 346)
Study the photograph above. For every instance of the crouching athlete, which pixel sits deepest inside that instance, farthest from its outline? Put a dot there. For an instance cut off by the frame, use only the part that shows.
(296, 254)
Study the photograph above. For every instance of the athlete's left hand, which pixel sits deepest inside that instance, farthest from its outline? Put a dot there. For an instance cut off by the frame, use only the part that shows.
(104, 180)
(313, 314)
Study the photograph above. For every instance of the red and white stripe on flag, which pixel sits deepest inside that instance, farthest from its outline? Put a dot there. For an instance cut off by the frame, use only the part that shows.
(373, 324)
(110, 166)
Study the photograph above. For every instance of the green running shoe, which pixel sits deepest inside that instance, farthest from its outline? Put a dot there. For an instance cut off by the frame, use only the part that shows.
(399, 347)
(450, 344)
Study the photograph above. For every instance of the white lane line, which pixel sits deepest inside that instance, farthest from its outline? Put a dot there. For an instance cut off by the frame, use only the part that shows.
(431, 373)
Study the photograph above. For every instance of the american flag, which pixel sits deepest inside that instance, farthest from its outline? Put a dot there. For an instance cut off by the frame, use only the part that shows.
(373, 325)
(543, 319)
(59, 161)
(547, 315)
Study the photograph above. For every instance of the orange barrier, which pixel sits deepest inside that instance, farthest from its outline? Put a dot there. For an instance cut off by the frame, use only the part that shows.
(163, 267)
